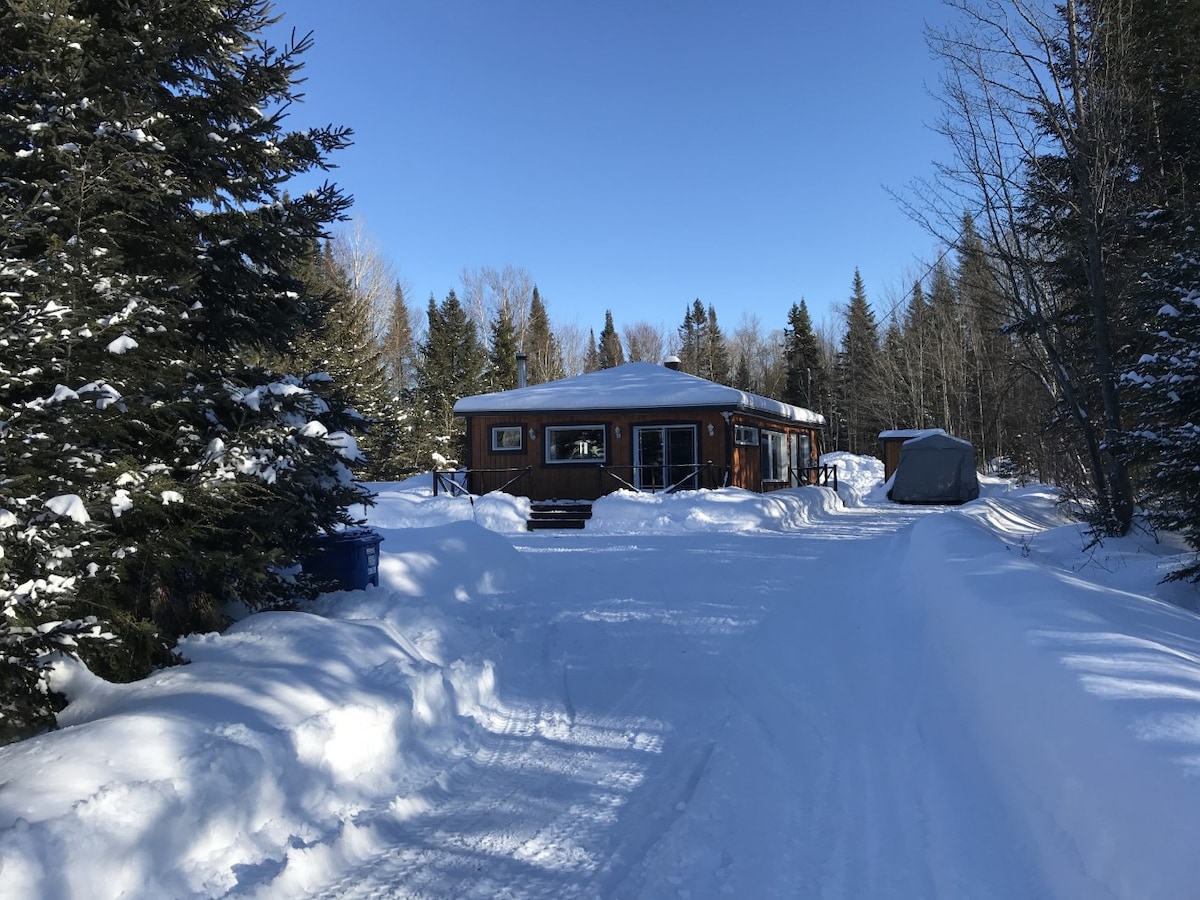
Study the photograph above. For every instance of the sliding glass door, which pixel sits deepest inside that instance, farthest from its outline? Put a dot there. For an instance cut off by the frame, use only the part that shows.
(664, 457)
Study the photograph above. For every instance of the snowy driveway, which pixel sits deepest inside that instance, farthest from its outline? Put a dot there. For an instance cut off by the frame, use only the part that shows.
(707, 696)
(695, 716)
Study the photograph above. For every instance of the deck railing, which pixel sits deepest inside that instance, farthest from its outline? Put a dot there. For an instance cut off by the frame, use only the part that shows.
(700, 475)
(448, 482)
(820, 474)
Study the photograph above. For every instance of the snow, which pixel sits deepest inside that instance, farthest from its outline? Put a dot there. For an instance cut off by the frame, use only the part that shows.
(702, 695)
(69, 506)
(637, 385)
(122, 345)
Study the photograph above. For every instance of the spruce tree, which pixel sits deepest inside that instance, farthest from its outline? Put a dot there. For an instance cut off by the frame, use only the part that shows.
(541, 346)
(591, 362)
(343, 344)
(609, 351)
(148, 251)
(451, 367)
(715, 364)
(858, 373)
(502, 352)
(692, 340)
(806, 377)
(399, 347)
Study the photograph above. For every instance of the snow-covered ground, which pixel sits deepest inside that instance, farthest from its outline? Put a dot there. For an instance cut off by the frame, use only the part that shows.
(704, 695)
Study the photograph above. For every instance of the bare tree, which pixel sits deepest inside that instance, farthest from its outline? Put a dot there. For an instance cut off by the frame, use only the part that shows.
(573, 340)
(644, 342)
(372, 276)
(486, 290)
(1036, 112)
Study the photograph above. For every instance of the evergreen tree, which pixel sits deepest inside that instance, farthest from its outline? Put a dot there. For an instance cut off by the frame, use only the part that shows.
(152, 471)
(715, 363)
(858, 375)
(990, 351)
(743, 378)
(703, 350)
(502, 352)
(399, 346)
(1166, 384)
(541, 346)
(608, 351)
(1162, 383)
(806, 377)
(451, 367)
(342, 343)
(691, 338)
(591, 362)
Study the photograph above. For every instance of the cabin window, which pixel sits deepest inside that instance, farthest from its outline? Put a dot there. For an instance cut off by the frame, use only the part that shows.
(745, 435)
(774, 456)
(508, 438)
(576, 443)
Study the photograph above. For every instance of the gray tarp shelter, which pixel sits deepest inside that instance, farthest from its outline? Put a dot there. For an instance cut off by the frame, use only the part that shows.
(935, 468)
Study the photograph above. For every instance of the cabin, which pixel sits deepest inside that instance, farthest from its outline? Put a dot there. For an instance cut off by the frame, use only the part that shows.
(639, 426)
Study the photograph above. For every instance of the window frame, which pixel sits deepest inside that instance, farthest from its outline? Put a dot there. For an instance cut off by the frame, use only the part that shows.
(739, 435)
(774, 476)
(496, 430)
(549, 443)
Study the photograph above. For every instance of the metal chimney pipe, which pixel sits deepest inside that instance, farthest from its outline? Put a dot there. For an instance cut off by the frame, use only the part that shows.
(521, 372)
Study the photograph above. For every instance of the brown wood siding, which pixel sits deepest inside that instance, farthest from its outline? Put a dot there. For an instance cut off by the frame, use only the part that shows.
(587, 481)
(890, 451)
(747, 460)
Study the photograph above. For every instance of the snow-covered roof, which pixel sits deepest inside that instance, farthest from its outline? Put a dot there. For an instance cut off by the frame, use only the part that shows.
(631, 386)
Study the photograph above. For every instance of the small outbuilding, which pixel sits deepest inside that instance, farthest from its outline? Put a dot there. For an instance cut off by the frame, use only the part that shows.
(935, 468)
(638, 426)
(891, 441)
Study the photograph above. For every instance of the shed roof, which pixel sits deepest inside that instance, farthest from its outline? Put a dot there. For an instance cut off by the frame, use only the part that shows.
(631, 386)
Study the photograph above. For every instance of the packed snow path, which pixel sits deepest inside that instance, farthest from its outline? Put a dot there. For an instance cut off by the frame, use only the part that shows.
(751, 716)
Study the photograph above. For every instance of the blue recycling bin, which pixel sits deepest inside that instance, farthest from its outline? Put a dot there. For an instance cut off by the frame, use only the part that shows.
(350, 559)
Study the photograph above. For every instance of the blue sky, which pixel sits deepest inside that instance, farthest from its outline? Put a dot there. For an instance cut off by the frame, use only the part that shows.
(633, 156)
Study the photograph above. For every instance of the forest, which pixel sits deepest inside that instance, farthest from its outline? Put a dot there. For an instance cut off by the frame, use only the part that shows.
(193, 355)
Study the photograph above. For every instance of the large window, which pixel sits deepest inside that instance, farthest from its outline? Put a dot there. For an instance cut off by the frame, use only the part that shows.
(575, 443)
(774, 456)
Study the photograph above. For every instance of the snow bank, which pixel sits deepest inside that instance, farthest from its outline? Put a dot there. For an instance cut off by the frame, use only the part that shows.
(411, 504)
(860, 478)
(1084, 695)
(726, 510)
(207, 778)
